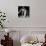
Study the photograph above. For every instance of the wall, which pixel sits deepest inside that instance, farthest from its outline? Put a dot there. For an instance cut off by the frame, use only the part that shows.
(37, 13)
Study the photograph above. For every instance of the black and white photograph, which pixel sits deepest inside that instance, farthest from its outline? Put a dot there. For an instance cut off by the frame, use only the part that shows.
(23, 11)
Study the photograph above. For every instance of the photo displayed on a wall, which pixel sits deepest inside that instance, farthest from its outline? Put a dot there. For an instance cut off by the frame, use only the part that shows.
(23, 11)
